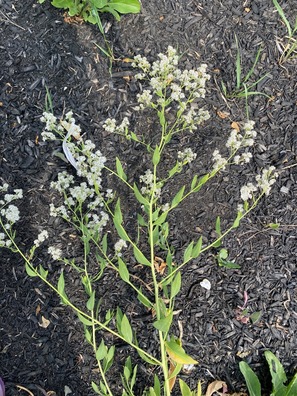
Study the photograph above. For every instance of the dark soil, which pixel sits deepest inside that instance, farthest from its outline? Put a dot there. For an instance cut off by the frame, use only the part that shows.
(38, 50)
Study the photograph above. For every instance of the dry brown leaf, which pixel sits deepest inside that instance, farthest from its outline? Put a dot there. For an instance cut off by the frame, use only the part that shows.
(37, 310)
(127, 60)
(73, 19)
(172, 380)
(160, 265)
(235, 125)
(44, 322)
(223, 114)
(215, 386)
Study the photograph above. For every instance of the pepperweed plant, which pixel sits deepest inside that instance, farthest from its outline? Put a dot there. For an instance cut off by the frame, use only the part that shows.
(92, 209)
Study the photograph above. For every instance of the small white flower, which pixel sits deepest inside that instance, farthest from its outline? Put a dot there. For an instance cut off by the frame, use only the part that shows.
(11, 213)
(55, 252)
(186, 156)
(119, 245)
(246, 192)
(41, 238)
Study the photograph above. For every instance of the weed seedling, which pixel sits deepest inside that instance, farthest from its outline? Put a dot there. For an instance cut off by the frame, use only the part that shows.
(244, 88)
(288, 50)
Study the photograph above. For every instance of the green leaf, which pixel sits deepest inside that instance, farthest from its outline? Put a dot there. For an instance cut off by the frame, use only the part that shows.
(104, 243)
(157, 386)
(145, 301)
(140, 198)
(123, 270)
(43, 272)
(188, 252)
(185, 390)
(61, 288)
(120, 170)
(140, 257)
(156, 156)
(84, 320)
(292, 387)
(141, 221)
(197, 248)
(101, 351)
(162, 118)
(252, 381)
(121, 231)
(125, 6)
(237, 220)
(126, 329)
(30, 271)
(164, 324)
(91, 301)
(177, 353)
(277, 373)
(95, 388)
(99, 3)
(201, 182)
(175, 285)
(255, 316)
(118, 217)
(160, 220)
(218, 226)
(146, 358)
(178, 197)
(194, 181)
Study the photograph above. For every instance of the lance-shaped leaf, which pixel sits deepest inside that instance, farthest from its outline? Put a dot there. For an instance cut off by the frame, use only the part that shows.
(123, 270)
(178, 197)
(120, 170)
(30, 271)
(156, 156)
(185, 390)
(252, 381)
(188, 252)
(140, 198)
(61, 289)
(126, 329)
(277, 372)
(140, 257)
(91, 301)
(197, 248)
(101, 351)
(177, 353)
(164, 324)
(175, 285)
(125, 6)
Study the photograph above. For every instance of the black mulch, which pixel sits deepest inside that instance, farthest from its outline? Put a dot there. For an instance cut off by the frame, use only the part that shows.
(38, 49)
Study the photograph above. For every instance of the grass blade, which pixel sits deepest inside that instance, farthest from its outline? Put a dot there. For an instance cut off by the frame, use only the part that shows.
(282, 15)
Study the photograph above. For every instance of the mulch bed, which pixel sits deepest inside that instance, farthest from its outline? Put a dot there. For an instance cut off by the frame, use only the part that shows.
(38, 50)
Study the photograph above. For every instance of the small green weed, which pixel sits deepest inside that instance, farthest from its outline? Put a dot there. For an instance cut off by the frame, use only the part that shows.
(278, 378)
(88, 9)
(244, 88)
(289, 49)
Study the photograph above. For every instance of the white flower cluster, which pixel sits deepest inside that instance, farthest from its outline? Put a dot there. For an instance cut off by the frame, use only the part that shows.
(148, 180)
(9, 213)
(187, 156)
(170, 84)
(118, 247)
(111, 126)
(55, 252)
(89, 164)
(41, 238)
(237, 144)
(264, 184)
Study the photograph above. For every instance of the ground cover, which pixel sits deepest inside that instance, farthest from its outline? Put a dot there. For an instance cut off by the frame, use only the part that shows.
(39, 48)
